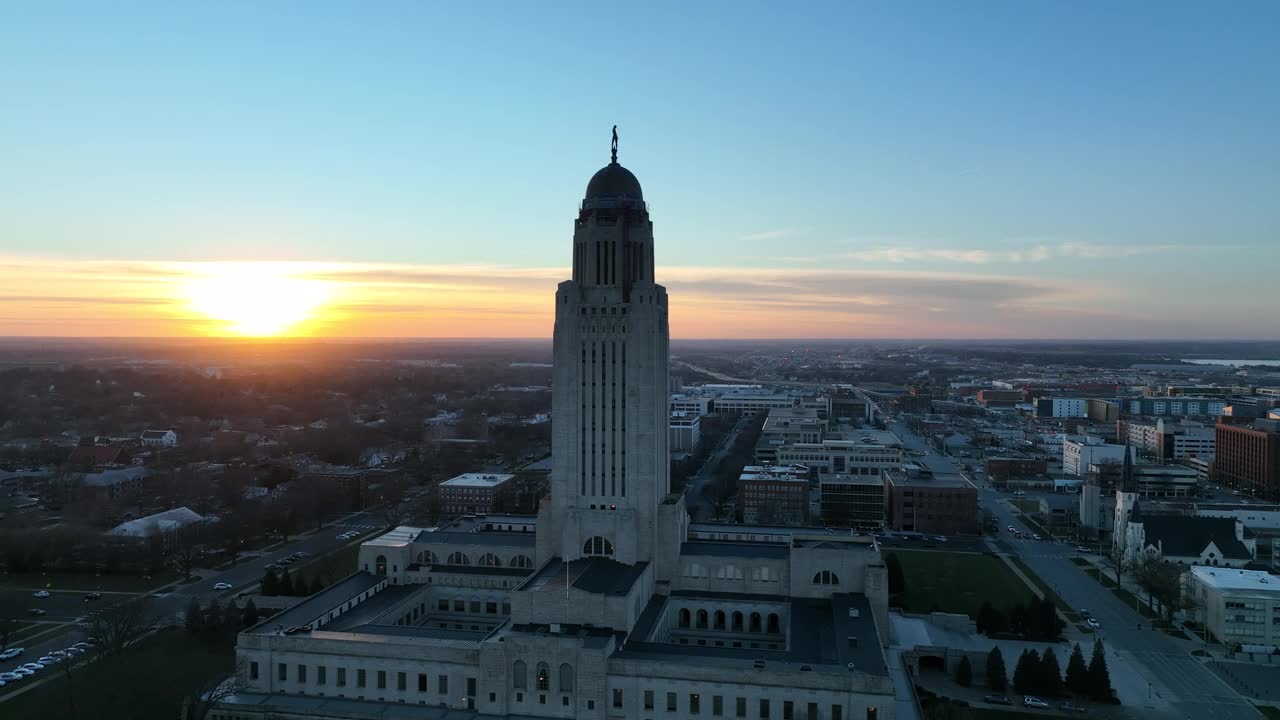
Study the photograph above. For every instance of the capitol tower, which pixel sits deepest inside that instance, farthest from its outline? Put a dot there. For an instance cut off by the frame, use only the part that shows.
(609, 392)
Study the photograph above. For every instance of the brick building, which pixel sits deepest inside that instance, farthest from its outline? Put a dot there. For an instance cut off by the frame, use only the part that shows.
(942, 504)
(1248, 457)
(773, 495)
(473, 492)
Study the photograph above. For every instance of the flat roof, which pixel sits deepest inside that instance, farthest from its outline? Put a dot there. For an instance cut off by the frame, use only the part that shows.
(846, 479)
(320, 603)
(1233, 579)
(480, 480)
(937, 480)
(596, 575)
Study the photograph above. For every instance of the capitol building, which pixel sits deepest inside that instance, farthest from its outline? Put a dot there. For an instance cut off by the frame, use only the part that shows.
(608, 604)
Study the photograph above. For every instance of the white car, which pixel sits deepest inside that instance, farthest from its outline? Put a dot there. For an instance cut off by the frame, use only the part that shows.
(222, 586)
(49, 660)
(40, 594)
(1032, 701)
(10, 676)
(1093, 623)
(11, 653)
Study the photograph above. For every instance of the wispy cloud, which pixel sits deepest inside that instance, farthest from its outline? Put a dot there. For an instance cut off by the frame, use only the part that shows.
(64, 297)
(983, 256)
(773, 234)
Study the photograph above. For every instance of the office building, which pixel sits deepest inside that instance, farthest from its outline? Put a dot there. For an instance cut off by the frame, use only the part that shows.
(773, 495)
(853, 501)
(473, 492)
(941, 504)
(1247, 457)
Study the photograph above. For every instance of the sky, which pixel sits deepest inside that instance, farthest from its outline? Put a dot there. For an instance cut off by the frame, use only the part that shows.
(854, 169)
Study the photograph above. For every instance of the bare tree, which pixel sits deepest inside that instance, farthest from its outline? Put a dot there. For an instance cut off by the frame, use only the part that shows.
(186, 546)
(1116, 560)
(1150, 576)
(206, 693)
(115, 627)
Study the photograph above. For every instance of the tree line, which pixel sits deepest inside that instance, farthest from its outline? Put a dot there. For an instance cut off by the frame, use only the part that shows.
(1041, 674)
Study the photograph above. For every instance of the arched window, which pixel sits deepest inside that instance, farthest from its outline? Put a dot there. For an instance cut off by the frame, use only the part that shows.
(519, 675)
(737, 621)
(719, 619)
(826, 577)
(598, 546)
(458, 558)
(684, 617)
(426, 557)
(490, 560)
(566, 677)
(380, 565)
(521, 561)
(544, 676)
(702, 619)
(755, 622)
(774, 627)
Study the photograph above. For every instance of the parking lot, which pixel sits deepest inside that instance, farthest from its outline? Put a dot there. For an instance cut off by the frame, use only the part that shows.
(60, 606)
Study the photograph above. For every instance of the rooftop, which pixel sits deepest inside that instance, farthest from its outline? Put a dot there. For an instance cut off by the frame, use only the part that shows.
(1232, 579)
(596, 575)
(480, 480)
(322, 602)
(399, 537)
(937, 480)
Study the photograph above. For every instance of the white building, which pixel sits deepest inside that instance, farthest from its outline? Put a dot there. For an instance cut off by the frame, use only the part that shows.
(864, 456)
(699, 405)
(1061, 407)
(161, 522)
(685, 430)
(1078, 455)
(160, 438)
(606, 606)
(1237, 606)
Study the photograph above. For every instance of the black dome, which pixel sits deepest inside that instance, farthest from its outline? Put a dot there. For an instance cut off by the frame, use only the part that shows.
(614, 180)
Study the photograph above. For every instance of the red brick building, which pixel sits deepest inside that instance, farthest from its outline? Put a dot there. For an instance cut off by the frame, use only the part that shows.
(942, 504)
(476, 493)
(1248, 457)
(1006, 467)
(773, 495)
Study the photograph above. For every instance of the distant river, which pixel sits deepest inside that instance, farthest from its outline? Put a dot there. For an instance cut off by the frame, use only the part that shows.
(1234, 363)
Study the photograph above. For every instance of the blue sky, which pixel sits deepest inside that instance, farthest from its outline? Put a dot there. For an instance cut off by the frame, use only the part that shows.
(1121, 159)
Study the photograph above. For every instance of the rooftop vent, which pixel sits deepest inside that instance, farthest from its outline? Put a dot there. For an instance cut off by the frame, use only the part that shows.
(854, 612)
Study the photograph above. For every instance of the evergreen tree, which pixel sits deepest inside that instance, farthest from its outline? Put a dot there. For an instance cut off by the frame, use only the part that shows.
(231, 616)
(997, 673)
(270, 583)
(1027, 673)
(195, 616)
(1050, 679)
(964, 673)
(249, 616)
(1018, 620)
(285, 586)
(897, 581)
(1077, 672)
(1099, 675)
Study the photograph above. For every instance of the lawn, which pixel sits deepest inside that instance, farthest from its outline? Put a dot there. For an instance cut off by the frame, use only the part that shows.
(1270, 711)
(958, 582)
(329, 568)
(147, 683)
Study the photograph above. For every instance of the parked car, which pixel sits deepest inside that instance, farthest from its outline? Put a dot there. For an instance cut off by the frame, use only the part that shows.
(40, 594)
(92, 596)
(1037, 537)
(72, 651)
(38, 612)
(222, 586)
(49, 660)
(11, 653)
(1070, 707)
(1093, 623)
(1032, 701)
(1082, 548)
(997, 700)
(10, 676)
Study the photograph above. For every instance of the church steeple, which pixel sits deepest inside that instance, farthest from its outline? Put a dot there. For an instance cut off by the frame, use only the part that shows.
(1128, 483)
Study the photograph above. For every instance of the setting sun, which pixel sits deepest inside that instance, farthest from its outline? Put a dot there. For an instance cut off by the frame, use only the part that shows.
(257, 299)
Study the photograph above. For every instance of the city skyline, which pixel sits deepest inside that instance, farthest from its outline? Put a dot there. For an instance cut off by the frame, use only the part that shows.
(859, 173)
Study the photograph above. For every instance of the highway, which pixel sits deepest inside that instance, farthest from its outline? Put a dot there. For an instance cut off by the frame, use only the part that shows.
(1178, 685)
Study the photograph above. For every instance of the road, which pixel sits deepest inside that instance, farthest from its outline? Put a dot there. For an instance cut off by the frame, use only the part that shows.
(697, 487)
(1178, 684)
(173, 600)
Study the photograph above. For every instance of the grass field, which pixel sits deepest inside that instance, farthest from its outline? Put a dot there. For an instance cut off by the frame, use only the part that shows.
(958, 582)
(1270, 711)
(147, 683)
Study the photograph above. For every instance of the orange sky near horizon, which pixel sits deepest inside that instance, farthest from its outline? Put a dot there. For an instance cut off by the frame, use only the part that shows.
(106, 298)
